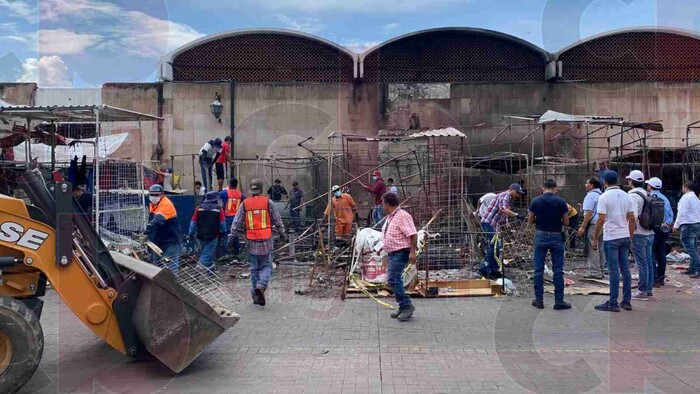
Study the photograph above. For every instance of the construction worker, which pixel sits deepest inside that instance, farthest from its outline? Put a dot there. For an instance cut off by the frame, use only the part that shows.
(163, 228)
(378, 189)
(231, 198)
(344, 212)
(209, 222)
(221, 162)
(295, 200)
(256, 216)
(208, 154)
(495, 217)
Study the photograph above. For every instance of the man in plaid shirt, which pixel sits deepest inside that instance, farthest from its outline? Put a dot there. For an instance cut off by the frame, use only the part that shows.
(400, 242)
(497, 214)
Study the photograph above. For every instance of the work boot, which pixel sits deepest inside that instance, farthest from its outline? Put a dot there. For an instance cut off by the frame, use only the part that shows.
(260, 293)
(558, 306)
(406, 313)
(626, 306)
(256, 298)
(538, 304)
(396, 313)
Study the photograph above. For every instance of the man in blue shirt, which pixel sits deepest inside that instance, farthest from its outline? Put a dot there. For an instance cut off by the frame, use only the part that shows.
(596, 259)
(660, 234)
(549, 213)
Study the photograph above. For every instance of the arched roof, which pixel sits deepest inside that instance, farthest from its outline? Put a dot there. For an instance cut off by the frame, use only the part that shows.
(454, 54)
(260, 55)
(633, 54)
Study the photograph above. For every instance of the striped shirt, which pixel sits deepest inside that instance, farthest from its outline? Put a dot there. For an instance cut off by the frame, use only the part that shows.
(258, 248)
(397, 231)
(493, 214)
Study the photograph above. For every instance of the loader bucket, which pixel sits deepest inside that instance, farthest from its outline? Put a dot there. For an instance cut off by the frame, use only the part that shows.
(174, 324)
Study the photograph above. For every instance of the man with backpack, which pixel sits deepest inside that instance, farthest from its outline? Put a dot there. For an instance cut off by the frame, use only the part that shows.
(660, 233)
(643, 238)
(209, 223)
(596, 259)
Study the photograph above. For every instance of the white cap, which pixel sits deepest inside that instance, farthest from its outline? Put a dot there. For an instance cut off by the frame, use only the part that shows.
(655, 183)
(636, 175)
(335, 188)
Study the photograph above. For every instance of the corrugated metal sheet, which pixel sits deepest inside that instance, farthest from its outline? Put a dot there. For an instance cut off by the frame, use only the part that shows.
(68, 97)
(448, 132)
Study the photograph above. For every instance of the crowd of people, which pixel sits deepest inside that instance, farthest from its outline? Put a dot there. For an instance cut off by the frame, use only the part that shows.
(614, 223)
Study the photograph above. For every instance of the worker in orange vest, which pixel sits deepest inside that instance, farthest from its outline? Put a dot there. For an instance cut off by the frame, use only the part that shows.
(231, 198)
(255, 217)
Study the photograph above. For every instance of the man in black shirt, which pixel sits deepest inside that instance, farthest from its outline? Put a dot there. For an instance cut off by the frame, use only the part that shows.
(276, 191)
(83, 198)
(549, 213)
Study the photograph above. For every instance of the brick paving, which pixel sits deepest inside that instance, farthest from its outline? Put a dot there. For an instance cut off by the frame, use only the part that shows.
(300, 344)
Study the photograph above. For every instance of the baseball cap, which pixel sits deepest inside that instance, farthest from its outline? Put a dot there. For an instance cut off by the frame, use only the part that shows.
(654, 182)
(636, 175)
(377, 173)
(517, 188)
(610, 176)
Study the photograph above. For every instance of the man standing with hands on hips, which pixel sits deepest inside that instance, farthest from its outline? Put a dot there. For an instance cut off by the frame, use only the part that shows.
(400, 240)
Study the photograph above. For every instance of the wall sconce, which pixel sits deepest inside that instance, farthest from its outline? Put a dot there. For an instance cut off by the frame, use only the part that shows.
(216, 107)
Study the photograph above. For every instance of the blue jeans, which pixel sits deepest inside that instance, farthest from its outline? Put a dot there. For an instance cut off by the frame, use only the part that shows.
(689, 238)
(659, 253)
(172, 252)
(295, 214)
(397, 263)
(377, 214)
(552, 243)
(206, 257)
(205, 166)
(493, 248)
(260, 269)
(616, 252)
(641, 249)
(236, 241)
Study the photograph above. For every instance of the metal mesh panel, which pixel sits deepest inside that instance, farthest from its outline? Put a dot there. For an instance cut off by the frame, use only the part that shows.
(264, 58)
(634, 56)
(454, 57)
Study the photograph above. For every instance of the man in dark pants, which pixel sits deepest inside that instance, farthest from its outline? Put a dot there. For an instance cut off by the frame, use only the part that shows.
(400, 241)
(549, 213)
(658, 248)
(295, 200)
(495, 217)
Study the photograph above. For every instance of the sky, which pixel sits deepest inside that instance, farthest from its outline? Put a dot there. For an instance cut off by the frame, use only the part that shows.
(85, 43)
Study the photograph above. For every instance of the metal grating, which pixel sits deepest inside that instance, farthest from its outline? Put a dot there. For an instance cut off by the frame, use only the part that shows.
(264, 57)
(634, 56)
(454, 56)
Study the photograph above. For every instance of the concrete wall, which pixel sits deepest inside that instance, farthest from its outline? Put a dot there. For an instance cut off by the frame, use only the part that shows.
(68, 96)
(18, 93)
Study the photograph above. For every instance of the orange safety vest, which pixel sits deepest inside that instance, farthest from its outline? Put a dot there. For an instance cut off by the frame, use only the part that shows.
(233, 198)
(257, 218)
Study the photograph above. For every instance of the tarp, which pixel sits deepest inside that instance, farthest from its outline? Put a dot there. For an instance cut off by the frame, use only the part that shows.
(64, 153)
(554, 116)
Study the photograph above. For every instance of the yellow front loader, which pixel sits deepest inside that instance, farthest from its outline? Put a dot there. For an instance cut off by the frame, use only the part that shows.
(136, 307)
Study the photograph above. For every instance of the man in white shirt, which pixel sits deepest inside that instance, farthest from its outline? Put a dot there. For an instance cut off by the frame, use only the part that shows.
(643, 239)
(688, 221)
(483, 204)
(616, 222)
(208, 154)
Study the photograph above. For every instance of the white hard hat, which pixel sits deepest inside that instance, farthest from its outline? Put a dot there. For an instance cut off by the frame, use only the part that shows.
(335, 188)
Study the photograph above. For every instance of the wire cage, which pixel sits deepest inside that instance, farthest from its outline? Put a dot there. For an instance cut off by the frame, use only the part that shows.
(120, 201)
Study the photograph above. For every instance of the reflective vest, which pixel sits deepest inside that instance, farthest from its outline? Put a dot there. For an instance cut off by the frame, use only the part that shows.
(233, 198)
(257, 218)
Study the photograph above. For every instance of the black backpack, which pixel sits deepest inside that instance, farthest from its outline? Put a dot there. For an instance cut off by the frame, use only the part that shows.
(653, 211)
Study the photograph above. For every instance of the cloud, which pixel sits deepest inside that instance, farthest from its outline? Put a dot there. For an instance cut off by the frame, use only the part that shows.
(47, 71)
(51, 10)
(359, 46)
(20, 9)
(146, 36)
(305, 24)
(391, 26)
(65, 42)
(356, 6)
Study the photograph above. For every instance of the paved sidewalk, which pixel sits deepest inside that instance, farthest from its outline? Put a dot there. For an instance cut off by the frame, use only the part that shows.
(298, 344)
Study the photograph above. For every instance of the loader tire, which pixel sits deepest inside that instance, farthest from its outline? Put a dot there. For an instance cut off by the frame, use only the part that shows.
(21, 344)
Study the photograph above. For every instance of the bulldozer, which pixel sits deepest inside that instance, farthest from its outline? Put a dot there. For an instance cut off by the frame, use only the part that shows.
(136, 307)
